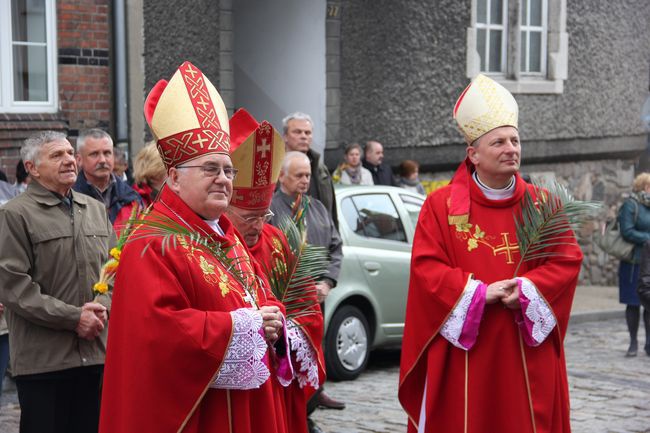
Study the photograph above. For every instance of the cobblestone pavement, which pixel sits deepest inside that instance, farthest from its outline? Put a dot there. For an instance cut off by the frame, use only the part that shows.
(609, 393)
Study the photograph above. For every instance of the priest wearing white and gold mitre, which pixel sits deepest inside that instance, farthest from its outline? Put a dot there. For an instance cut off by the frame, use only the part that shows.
(193, 334)
(483, 351)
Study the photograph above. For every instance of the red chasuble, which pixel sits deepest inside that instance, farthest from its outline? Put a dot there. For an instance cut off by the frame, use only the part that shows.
(170, 329)
(266, 251)
(501, 384)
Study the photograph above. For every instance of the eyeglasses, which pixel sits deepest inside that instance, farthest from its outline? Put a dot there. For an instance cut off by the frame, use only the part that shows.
(251, 219)
(214, 170)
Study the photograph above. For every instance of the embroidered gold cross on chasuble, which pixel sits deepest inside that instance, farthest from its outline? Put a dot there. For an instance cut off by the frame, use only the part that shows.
(500, 245)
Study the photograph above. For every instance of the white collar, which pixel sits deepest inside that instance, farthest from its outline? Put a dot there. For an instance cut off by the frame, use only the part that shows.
(214, 224)
(495, 194)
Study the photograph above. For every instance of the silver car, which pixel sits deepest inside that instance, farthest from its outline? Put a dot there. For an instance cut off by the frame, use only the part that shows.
(366, 309)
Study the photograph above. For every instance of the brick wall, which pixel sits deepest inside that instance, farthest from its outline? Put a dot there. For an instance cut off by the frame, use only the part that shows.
(83, 28)
(84, 80)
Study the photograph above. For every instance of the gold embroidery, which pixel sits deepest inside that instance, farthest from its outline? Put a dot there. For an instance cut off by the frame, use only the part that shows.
(224, 284)
(478, 237)
(506, 248)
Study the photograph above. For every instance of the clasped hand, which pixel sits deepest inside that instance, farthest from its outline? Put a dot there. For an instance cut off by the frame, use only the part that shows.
(92, 321)
(271, 322)
(506, 291)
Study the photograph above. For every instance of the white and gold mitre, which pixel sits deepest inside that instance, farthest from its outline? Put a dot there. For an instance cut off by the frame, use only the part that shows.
(187, 117)
(483, 106)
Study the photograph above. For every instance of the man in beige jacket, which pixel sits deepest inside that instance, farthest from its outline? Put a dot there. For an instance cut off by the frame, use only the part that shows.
(53, 242)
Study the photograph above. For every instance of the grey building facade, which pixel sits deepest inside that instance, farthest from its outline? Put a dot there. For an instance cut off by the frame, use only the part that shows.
(394, 69)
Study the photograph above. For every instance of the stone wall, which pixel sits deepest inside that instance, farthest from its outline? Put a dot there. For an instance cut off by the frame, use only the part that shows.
(403, 64)
(178, 31)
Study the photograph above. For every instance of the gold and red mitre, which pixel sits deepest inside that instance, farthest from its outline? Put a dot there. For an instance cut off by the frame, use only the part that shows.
(257, 150)
(187, 117)
(483, 106)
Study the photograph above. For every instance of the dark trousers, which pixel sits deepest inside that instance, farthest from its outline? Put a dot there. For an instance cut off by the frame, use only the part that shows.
(65, 401)
(4, 357)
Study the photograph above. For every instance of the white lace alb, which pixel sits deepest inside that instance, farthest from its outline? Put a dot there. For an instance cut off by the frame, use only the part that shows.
(243, 366)
(307, 373)
(538, 312)
(453, 327)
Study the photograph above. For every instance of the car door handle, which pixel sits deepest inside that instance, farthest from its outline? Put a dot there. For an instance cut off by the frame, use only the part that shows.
(372, 267)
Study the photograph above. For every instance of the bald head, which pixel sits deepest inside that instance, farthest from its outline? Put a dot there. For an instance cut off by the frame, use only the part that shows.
(374, 152)
(295, 173)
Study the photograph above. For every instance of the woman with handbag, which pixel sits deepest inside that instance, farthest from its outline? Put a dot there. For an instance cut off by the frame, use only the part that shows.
(634, 222)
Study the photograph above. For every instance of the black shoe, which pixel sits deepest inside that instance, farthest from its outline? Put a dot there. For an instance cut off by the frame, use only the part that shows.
(631, 351)
(647, 349)
(324, 400)
(312, 427)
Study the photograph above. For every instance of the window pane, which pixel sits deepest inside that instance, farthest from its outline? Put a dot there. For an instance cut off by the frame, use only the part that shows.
(351, 216)
(378, 217)
(495, 51)
(524, 12)
(28, 20)
(496, 11)
(535, 52)
(413, 207)
(536, 13)
(30, 73)
(480, 46)
(481, 11)
(524, 51)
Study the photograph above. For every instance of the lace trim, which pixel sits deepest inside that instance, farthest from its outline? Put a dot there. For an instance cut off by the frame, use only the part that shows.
(538, 312)
(307, 374)
(453, 327)
(243, 366)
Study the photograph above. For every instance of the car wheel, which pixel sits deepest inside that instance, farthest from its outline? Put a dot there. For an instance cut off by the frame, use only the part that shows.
(347, 344)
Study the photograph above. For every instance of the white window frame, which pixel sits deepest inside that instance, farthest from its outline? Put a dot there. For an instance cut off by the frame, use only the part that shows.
(503, 27)
(556, 51)
(8, 104)
(528, 29)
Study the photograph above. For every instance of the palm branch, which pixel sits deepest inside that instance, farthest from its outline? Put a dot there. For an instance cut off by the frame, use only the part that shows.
(549, 220)
(171, 233)
(292, 278)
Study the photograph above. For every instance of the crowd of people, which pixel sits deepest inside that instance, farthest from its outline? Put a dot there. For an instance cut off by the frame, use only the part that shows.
(201, 340)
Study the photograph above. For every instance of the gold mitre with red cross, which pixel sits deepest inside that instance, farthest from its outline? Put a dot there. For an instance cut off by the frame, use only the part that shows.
(483, 106)
(256, 150)
(187, 117)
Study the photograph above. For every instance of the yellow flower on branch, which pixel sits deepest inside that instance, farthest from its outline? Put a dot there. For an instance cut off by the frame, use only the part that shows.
(115, 253)
(100, 288)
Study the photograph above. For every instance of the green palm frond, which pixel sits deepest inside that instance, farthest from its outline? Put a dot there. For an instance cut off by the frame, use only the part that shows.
(171, 233)
(549, 220)
(292, 278)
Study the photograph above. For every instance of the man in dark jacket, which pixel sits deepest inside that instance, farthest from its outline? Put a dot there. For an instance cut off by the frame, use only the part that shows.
(297, 135)
(373, 160)
(96, 159)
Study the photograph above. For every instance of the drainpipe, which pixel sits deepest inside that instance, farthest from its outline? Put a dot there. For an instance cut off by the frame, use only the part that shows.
(119, 68)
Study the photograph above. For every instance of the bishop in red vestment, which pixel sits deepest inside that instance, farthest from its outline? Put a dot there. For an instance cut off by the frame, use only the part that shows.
(483, 351)
(257, 151)
(193, 339)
